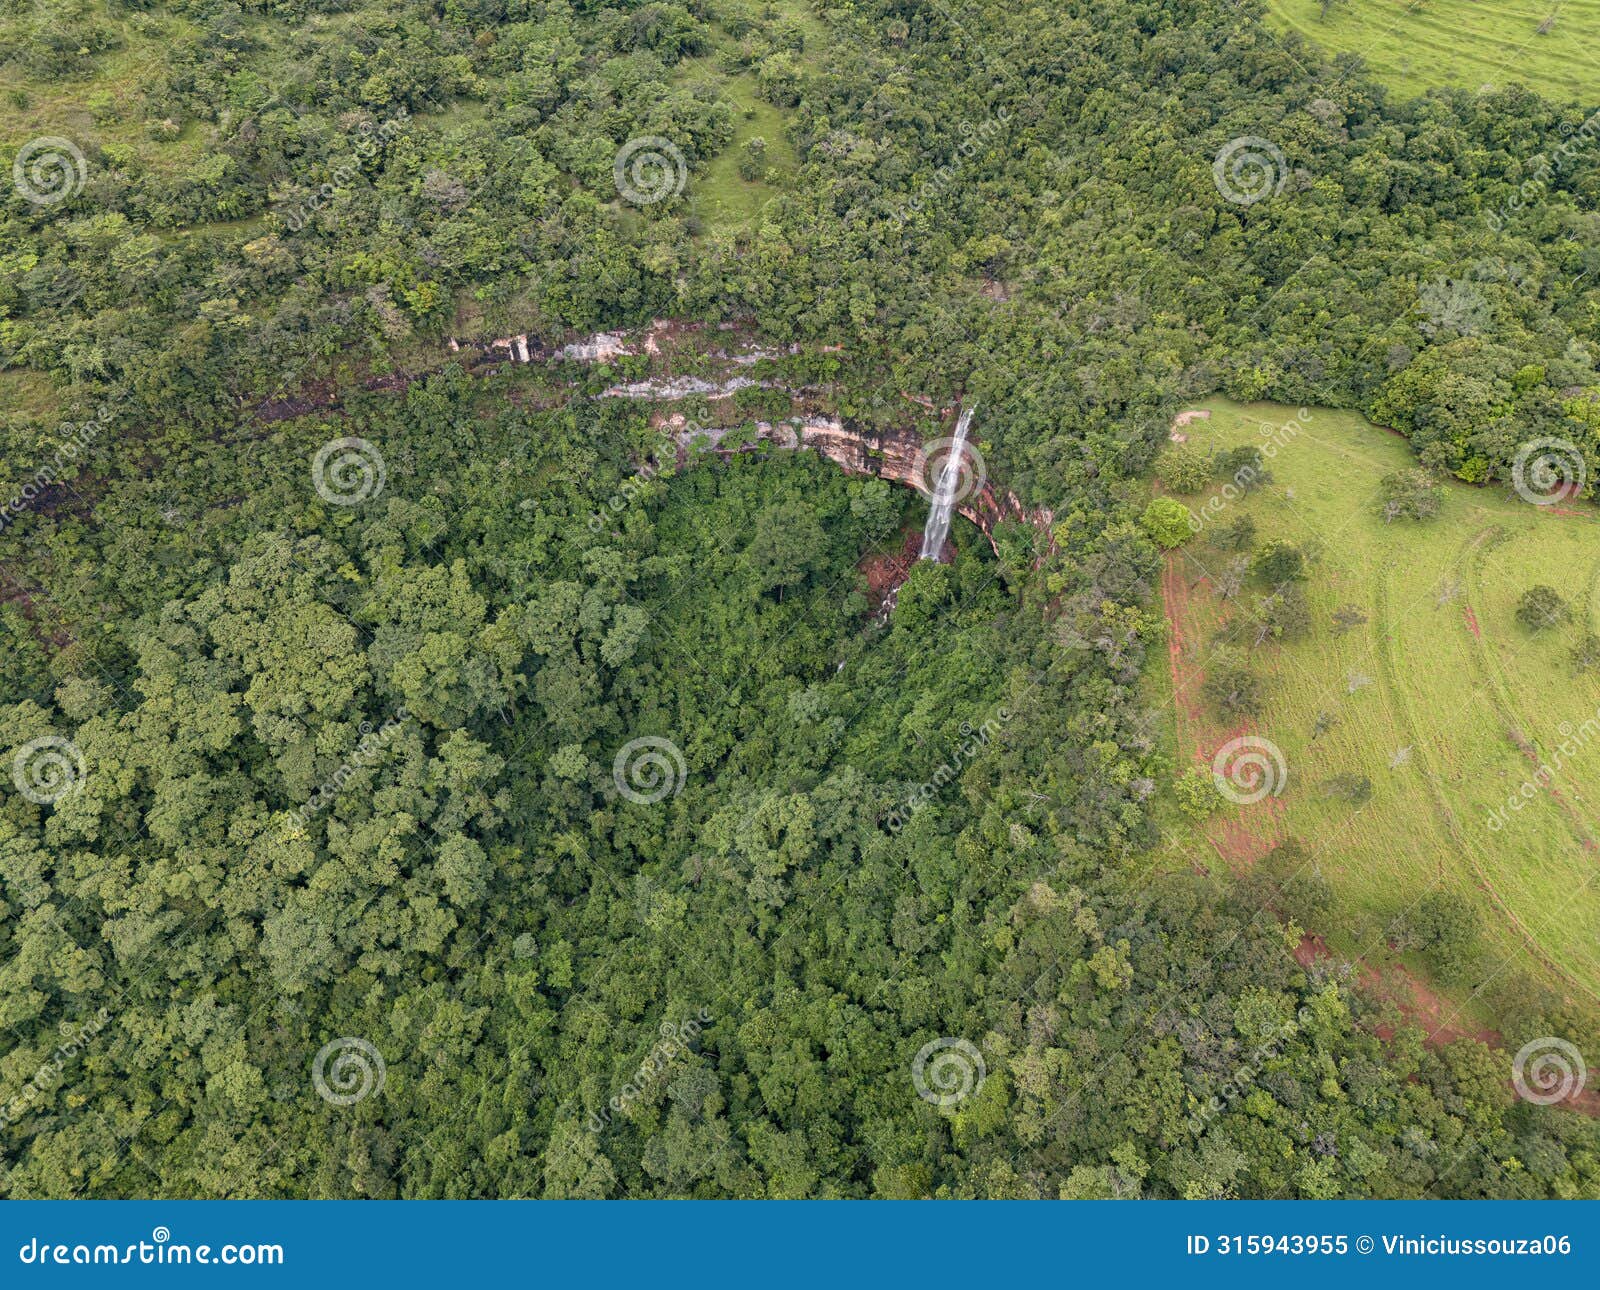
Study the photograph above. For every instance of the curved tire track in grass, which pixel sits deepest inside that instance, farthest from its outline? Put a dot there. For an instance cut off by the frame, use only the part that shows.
(1389, 678)
(1493, 683)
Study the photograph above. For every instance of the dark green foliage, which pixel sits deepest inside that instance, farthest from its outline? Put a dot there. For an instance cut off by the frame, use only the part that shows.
(1238, 534)
(1541, 607)
(1232, 687)
(349, 770)
(1445, 927)
(1279, 562)
(1283, 614)
(1245, 467)
(1183, 470)
(1410, 495)
(1586, 653)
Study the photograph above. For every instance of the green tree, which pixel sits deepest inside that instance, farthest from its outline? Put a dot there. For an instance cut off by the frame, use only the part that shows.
(1168, 522)
(1542, 607)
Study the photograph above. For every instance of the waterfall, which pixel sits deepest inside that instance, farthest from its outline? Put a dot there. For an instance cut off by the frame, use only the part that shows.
(937, 529)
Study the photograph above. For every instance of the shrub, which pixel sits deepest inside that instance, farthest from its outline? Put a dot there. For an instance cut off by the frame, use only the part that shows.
(1244, 466)
(1232, 688)
(1283, 615)
(1410, 495)
(1198, 794)
(1183, 470)
(1586, 654)
(1279, 562)
(1541, 608)
(1238, 534)
(1168, 522)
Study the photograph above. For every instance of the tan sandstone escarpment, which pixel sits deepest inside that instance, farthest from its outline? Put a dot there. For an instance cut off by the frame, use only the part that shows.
(898, 455)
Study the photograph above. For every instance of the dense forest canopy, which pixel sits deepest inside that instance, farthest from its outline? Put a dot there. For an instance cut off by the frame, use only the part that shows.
(428, 786)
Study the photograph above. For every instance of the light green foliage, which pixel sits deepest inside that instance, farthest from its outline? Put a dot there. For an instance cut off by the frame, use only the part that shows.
(1167, 521)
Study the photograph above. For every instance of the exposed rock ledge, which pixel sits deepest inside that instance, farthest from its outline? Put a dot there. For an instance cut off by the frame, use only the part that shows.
(898, 455)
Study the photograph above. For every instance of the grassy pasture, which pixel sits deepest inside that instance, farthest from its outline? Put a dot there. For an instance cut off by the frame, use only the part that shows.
(723, 199)
(1439, 698)
(1414, 45)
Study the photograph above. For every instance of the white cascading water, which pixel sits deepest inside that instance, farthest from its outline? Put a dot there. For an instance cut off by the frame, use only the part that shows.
(937, 529)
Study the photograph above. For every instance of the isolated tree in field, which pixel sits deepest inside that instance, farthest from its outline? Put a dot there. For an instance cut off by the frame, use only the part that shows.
(1167, 522)
(1233, 688)
(1238, 534)
(1245, 467)
(1283, 615)
(1542, 607)
(1183, 470)
(1409, 495)
(1280, 561)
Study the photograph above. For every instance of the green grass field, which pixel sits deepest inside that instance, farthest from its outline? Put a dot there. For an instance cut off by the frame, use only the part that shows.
(1414, 45)
(1440, 698)
(722, 198)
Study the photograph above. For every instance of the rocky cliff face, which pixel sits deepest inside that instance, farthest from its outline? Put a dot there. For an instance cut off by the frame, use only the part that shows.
(898, 455)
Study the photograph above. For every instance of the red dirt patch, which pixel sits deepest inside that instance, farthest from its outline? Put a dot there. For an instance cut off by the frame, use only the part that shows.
(886, 571)
(1564, 493)
(1241, 837)
(1472, 622)
(1418, 1002)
